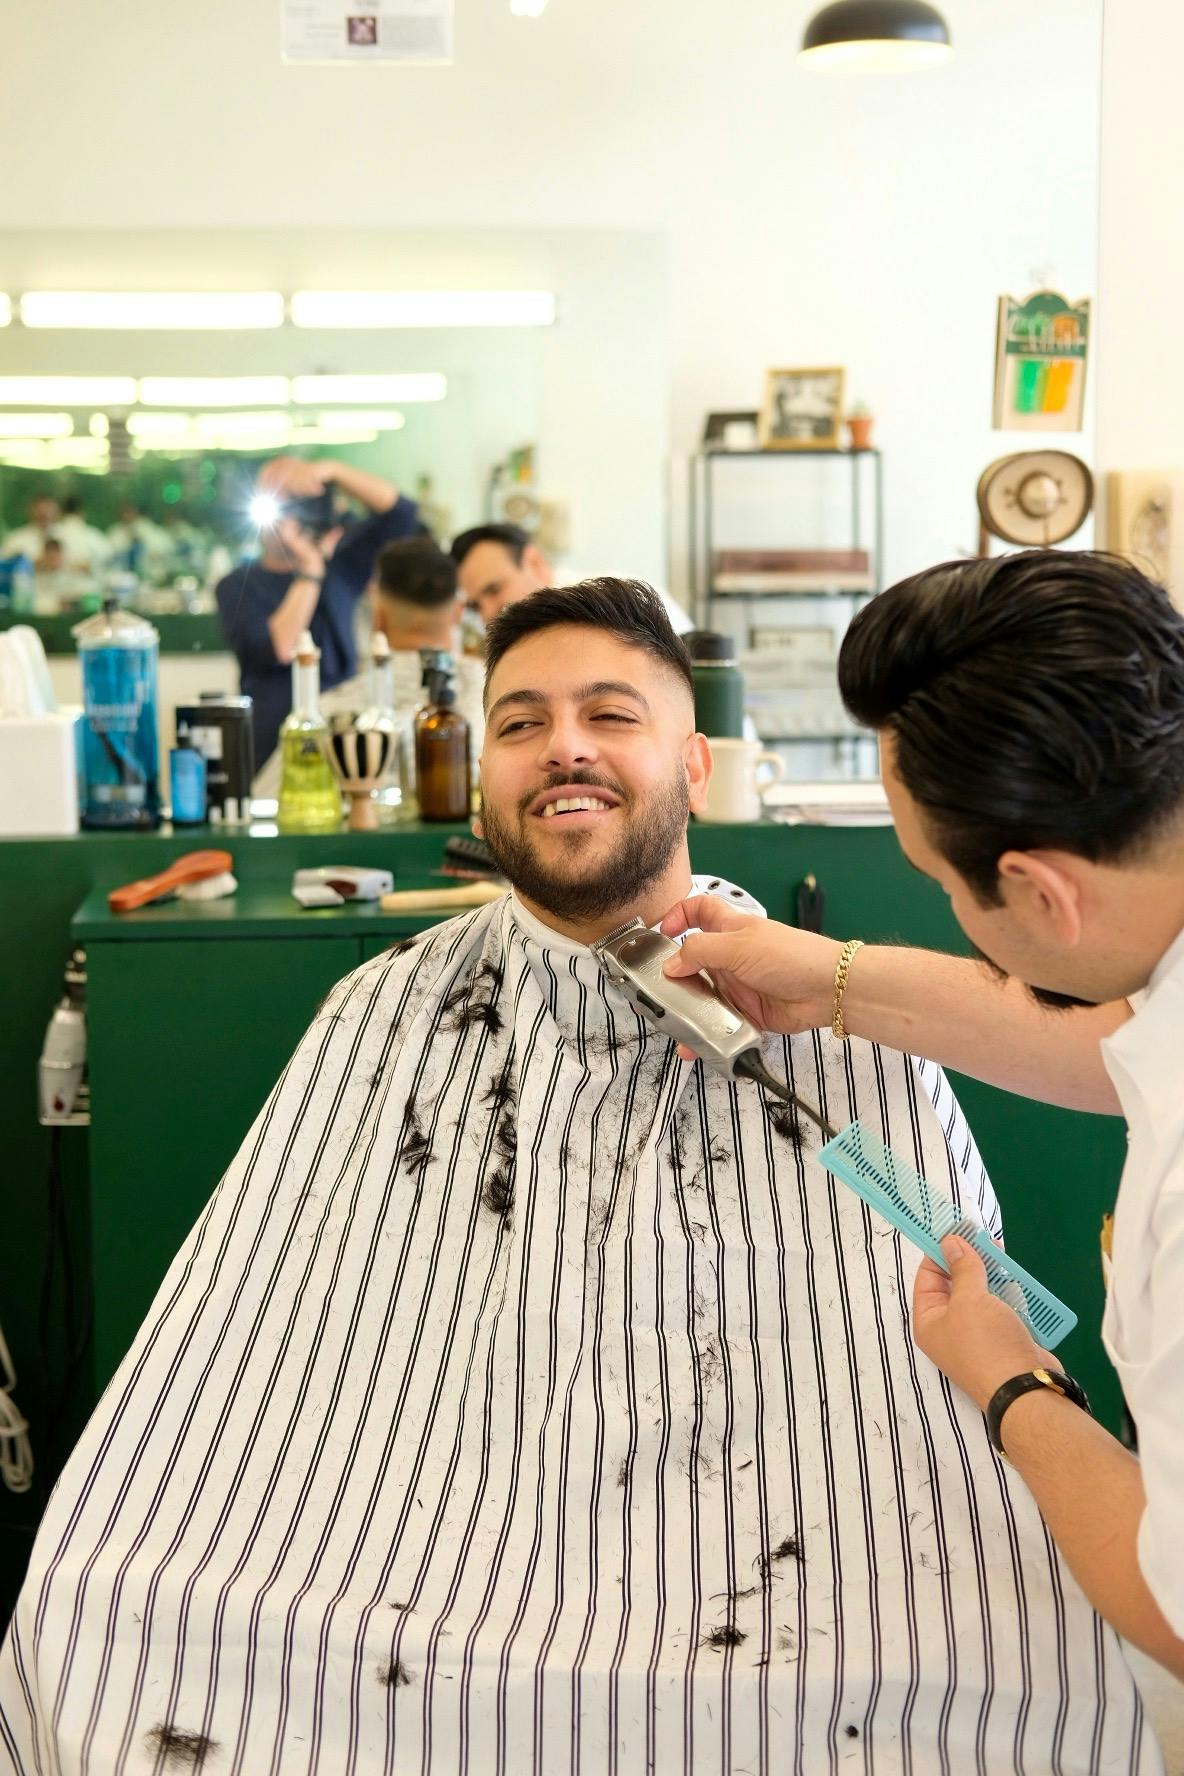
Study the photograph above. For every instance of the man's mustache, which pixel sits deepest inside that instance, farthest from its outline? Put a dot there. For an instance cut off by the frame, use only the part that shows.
(561, 780)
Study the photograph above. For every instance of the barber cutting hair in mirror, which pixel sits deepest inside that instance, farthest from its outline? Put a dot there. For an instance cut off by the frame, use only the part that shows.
(1030, 713)
(314, 564)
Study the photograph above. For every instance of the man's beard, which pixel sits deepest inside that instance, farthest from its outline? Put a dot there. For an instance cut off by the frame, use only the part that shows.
(649, 835)
(1042, 995)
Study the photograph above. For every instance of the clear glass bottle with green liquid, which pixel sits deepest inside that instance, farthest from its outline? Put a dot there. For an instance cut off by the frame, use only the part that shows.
(310, 800)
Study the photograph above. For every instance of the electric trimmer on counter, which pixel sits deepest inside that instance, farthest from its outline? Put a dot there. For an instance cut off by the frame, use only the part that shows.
(693, 1012)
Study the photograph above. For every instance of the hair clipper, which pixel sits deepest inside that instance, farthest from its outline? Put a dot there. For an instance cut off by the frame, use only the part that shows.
(691, 1011)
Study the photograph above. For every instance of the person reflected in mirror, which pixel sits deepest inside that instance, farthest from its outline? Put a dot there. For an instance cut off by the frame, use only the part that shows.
(137, 544)
(43, 516)
(314, 564)
(497, 564)
(417, 606)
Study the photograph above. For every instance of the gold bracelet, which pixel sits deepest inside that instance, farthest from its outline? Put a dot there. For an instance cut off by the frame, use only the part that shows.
(842, 973)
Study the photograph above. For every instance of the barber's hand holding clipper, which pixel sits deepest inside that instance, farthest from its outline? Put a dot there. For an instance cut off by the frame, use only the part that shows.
(779, 977)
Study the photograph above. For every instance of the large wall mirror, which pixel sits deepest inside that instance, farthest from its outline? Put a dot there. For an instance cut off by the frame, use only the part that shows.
(544, 405)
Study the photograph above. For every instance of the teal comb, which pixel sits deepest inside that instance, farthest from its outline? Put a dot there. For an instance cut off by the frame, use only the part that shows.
(897, 1191)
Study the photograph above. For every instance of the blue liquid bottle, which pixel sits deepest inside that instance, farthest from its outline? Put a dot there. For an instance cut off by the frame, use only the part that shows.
(120, 759)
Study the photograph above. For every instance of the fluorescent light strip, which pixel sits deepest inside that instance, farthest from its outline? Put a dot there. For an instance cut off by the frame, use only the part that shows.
(54, 453)
(172, 310)
(214, 391)
(5, 310)
(235, 424)
(374, 420)
(160, 425)
(423, 308)
(68, 391)
(312, 391)
(35, 425)
(313, 434)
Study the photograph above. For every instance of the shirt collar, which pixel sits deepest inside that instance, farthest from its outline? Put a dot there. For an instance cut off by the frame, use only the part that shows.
(549, 939)
(1169, 964)
(1142, 1056)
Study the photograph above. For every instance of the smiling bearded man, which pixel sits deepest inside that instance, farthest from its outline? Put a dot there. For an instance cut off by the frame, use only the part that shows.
(526, 1401)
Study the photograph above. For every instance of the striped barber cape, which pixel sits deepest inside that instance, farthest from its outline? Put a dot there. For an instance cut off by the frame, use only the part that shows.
(527, 1402)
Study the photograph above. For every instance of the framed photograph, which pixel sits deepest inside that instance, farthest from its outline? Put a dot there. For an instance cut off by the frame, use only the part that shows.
(730, 431)
(803, 409)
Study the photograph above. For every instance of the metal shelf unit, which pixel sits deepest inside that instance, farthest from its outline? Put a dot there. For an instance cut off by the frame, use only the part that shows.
(866, 523)
(865, 531)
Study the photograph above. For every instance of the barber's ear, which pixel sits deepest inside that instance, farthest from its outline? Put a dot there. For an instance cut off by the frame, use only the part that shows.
(536, 563)
(697, 759)
(1043, 888)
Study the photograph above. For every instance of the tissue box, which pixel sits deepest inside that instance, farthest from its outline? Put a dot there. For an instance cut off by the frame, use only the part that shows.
(39, 774)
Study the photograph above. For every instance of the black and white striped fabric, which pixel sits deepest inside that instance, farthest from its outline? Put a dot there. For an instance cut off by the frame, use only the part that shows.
(525, 1403)
(359, 755)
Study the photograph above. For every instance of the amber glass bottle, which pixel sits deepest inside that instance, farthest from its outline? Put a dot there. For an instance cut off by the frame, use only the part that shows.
(442, 758)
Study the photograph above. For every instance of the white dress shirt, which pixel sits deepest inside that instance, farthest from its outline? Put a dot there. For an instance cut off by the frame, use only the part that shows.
(1143, 1328)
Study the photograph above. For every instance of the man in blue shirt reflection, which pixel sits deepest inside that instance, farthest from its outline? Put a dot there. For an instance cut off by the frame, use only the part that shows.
(313, 567)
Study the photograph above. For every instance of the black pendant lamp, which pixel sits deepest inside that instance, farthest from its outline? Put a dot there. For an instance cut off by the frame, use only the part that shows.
(876, 34)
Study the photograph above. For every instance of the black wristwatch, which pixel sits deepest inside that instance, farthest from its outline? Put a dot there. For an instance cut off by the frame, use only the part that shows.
(1012, 1390)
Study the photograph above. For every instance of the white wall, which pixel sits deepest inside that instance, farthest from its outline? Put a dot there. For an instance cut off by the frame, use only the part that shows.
(810, 219)
(1140, 363)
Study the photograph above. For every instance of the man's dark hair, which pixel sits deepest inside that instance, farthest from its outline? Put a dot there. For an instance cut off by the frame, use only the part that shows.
(510, 536)
(628, 609)
(1035, 701)
(416, 570)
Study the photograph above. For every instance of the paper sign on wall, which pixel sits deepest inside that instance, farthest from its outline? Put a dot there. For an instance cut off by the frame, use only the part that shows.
(366, 30)
(1040, 355)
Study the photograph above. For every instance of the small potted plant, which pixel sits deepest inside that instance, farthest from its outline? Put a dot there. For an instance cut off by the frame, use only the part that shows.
(859, 424)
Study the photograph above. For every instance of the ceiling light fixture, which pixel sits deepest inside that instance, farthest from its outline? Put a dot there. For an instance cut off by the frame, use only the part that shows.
(68, 391)
(161, 425)
(425, 385)
(423, 308)
(315, 434)
(531, 9)
(137, 310)
(876, 36)
(236, 424)
(213, 391)
(374, 419)
(35, 425)
(54, 453)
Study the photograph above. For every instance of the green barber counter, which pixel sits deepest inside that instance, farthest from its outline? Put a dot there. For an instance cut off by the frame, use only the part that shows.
(194, 1008)
(180, 632)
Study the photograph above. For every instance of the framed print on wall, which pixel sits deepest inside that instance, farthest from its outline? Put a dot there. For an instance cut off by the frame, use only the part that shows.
(1040, 356)
(802, 409)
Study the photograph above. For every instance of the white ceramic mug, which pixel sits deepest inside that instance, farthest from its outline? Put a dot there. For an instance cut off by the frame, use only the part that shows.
(734, 792)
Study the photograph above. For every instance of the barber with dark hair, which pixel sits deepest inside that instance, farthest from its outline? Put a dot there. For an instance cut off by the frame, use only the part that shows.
(313, 567)
(1030, 711)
